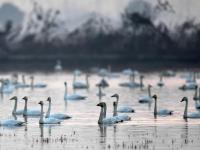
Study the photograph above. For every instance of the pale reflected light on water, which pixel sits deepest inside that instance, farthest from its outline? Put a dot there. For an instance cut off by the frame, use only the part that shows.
(83, 132)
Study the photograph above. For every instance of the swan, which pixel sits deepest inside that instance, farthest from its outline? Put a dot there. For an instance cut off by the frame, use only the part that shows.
(123, 109)
(7, 87)
(196, 97)
(80, 85)
(47, 120)
(103, 83)
(161, 112)
(15, 111)
(57, 115)
(37, 85)
(58, 67)
(191, 115)
(146, 99)
(132, 83)
(23, 84)
(188, 86)
(119, 118)
(28, 112)
(11, 122)
(102, 117)
(161, 83)
(73, 96)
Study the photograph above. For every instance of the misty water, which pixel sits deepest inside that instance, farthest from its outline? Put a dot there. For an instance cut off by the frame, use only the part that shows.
(82, 130)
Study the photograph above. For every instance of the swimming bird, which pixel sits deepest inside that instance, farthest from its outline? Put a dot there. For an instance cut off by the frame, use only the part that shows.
(28, 112)
(100, 93)
(146, 99)
(103, 83)
(37, 85)
(194, 115)
(121, 117)
(161, 112)
(123, 109)
(47, 120)
(102, 117)
(73, 96)
(161, 83)
(11, 122)
(81, 85)
(57, 115)
(58, 67)
(15, 111)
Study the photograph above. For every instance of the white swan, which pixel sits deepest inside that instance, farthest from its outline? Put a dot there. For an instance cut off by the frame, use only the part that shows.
(161, 83)
(123, 109)
(73, 96)
(57, 115)
(58, 67)
(11, 122)
(80, 85)
(132, 83)
(121, 117)
(190, 84)
(23, 84)
(161, 112)
(15, 111)
(28, 112)
(47, 120)
(103, 83)
(191, 115)
(7, 87)
(146, 99)
(37, 85)
(102, 117)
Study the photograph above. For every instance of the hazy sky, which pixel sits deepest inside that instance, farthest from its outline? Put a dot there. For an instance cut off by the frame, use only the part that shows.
(76, 11)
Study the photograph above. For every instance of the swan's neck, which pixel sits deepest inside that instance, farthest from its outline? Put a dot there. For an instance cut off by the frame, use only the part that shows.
(194, 77)
(196, 93)
(25, 108)
(15, 107)
(161, 78)
(87, 81)
(149, 91)
(186, 109)
(133, 78)
(115, 110)
(199, 94)
(102, 115)
(74, 78)
(65, 91)
(41, 115)
(49, 110)
(141, 82)
(155, 108)
(23, 80)
(32, 82)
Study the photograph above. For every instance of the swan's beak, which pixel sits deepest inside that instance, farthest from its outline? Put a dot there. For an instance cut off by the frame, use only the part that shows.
(98, 105)
(113, 96)
(182, 100)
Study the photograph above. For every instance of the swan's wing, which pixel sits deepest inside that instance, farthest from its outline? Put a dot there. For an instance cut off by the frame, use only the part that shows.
(51, 121)
(165, 112)
(19, 112)
(11, 122)
(60, 116)
(125, 109)
(194, 115)
(145, 99)
(124, 117)
(33, 112)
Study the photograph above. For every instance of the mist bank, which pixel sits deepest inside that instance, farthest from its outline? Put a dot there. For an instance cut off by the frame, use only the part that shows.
(138, 38)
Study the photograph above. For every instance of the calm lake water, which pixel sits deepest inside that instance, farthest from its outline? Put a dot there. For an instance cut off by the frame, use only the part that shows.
(83, 132)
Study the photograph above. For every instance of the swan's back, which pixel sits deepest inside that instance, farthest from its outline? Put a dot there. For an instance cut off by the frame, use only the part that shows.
(125, 109)
(11, 122)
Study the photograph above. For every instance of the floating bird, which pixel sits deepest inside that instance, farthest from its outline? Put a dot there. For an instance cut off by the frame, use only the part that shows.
(161, 112)
(47, 120)
(73, 96)
(146, 99)
(194, 115)
(57, 115)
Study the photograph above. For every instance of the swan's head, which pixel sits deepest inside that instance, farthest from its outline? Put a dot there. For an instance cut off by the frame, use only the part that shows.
(184, 99)
(101, 104)
(154, 96)
(13, 98)
(65, 83)
(49, 99)
(115, 95)
(25, 98)
(41, 103)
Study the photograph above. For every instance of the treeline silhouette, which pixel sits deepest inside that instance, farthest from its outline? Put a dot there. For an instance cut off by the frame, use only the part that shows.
(137, 39)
